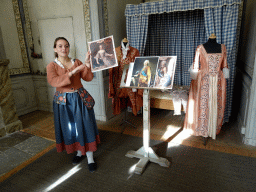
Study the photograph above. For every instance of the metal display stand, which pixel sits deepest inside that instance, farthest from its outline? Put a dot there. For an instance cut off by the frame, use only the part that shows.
(125, 117)
(146, 153)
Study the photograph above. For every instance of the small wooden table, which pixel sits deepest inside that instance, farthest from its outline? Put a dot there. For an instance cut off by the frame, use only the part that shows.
(146, 153)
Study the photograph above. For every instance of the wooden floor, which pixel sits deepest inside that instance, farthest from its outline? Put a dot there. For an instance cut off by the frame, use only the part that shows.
(191, 170)
(164, 126)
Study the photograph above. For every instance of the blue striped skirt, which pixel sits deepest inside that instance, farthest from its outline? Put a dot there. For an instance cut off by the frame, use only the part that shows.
(75, 126)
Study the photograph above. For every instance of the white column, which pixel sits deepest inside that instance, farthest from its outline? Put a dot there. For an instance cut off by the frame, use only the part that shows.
(250, 131)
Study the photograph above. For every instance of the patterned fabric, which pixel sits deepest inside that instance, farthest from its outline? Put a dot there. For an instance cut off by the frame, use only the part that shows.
(115, 75)
(220, 17)
(167, 6)
(207, 94)
(220, 20)
(86, 98)
(59, 98)
(75, 126)
(137, 29)
(182, 42)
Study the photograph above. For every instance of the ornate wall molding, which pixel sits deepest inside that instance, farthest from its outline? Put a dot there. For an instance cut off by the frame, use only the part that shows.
(25, 68)
(87, 21)
(105, 8)
(27, 25)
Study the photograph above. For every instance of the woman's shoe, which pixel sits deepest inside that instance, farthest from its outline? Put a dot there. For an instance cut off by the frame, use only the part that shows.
(77, 159)
(92, 167)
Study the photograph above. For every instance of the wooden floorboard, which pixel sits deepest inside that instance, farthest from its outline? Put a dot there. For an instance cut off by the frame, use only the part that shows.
(164, 127)
(191, 169)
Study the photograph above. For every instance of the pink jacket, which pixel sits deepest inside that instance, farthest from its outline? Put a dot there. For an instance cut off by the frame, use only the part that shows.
(58, 77)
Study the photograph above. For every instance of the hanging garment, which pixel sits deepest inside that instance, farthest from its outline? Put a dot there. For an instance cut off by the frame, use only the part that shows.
(179, 98)
(207, 93)
(115, 75)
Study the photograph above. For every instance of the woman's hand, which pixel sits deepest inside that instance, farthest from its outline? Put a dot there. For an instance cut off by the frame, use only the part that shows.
(87, 60)
(77, 70)
(82, 67)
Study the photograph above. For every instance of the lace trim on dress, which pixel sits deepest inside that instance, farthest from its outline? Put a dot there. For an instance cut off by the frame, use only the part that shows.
(60, 64)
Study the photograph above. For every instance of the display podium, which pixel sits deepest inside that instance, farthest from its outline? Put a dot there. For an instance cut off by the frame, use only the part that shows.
(146, 153)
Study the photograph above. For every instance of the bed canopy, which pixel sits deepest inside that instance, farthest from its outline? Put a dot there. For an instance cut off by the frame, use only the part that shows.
(177, 27)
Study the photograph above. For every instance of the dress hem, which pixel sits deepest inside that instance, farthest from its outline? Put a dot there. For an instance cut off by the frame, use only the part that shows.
(76, 146)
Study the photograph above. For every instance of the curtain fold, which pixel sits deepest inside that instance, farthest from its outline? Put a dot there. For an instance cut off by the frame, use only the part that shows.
(176, 34)
(137, 30)
(167, 6)
(223, 22)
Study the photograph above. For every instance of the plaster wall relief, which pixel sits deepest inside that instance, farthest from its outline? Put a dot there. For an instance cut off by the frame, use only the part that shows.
(9, 121)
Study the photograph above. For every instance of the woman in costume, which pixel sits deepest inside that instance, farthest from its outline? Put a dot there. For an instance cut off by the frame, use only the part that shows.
(102, 57)
(74, 119)
(163, 78)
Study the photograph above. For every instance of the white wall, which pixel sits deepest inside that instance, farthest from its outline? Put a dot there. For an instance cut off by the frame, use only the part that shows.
(246, 79)
(117, 20)
(40, 10)
(10, 35)
(248, 40)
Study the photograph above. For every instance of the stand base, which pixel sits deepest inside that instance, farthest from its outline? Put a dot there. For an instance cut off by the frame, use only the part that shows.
(145, 156)
(125, 121)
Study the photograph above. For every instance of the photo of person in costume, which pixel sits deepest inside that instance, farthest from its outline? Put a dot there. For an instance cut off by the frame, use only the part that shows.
(74, 120)
(165, 72)
(145, 75)
(102, 57)
(144, 71)
(103, 54)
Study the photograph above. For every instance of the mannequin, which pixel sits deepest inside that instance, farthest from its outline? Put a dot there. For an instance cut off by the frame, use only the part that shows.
(125, 41)
(207, 93)
(125, 55)
(211, 46)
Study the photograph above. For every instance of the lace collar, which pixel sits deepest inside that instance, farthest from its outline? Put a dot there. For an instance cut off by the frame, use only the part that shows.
(60, 64)
(125, 49)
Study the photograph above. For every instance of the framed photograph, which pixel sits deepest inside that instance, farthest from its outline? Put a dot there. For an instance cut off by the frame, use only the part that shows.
(151, 72)
(143, 72)
(165, 72)
(103, 55)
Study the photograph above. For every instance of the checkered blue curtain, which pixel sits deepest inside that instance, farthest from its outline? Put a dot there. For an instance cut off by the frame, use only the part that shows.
(220, 17)
(176, 34)
(223, 22)
(137, 29)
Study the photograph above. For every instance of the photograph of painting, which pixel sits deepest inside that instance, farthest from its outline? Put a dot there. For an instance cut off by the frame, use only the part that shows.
(165, 72)
(143, 72)
(103, 55)
(155, 72)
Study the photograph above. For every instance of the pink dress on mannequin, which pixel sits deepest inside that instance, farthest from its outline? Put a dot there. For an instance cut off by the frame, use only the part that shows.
(207, 94)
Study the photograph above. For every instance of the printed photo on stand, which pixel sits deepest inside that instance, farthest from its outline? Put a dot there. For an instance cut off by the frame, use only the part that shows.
(165, 72)
(103, 55)
(143, 71)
